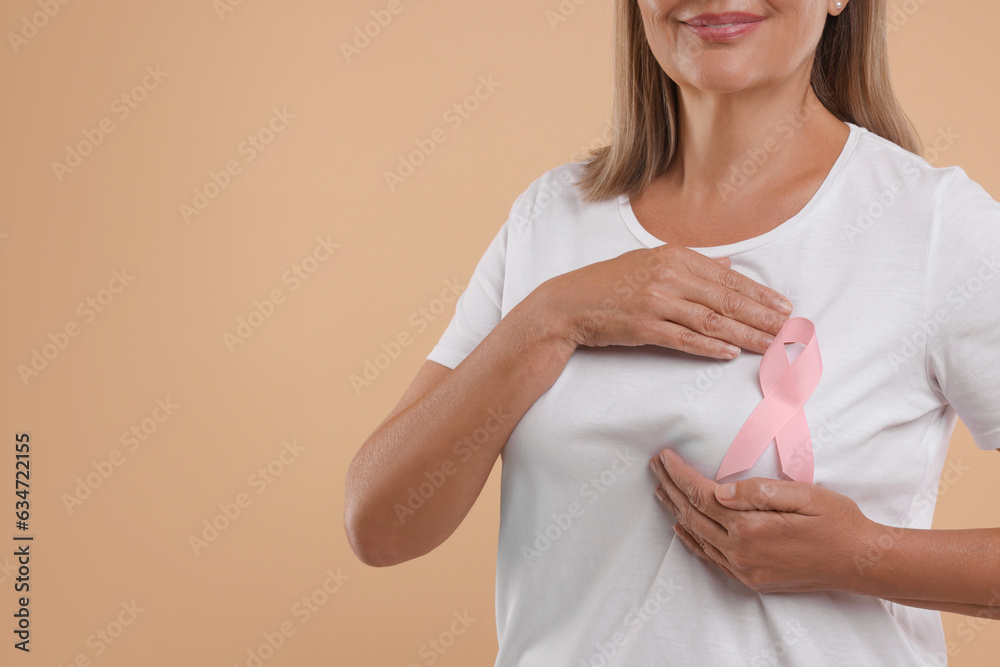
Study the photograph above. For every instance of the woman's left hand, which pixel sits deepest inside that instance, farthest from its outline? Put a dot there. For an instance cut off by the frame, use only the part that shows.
(772, 535)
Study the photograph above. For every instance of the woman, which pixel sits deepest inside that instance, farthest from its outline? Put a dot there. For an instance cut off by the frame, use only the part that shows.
(758, 153)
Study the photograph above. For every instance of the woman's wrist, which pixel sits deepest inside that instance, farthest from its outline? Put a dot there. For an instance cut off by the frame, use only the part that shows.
(548, 320)
(536, 340)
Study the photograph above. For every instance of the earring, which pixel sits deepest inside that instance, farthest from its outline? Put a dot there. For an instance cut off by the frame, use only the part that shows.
(839, 5)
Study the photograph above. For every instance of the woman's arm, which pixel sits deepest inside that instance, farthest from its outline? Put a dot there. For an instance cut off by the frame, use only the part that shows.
(418, 474)
(783, 536)
(949, 570)
(984, 611)
(669, 296)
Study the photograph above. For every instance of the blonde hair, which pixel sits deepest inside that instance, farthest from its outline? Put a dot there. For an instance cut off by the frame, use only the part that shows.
(850, 76)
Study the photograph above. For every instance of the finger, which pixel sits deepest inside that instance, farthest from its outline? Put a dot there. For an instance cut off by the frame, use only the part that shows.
(717, 273)
(710, 309)
(702, 548)
(762, 493)
(705, 550)
(688, 541)
(657, 466)
(722, 297)
(708, 313)
(698, 489)
(691, 514)
(679, 337)
(729, 302)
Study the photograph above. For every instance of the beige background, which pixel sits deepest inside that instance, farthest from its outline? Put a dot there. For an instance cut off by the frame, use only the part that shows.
(63, 236)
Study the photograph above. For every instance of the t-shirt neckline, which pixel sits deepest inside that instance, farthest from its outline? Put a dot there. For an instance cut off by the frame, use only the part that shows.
(647, 239)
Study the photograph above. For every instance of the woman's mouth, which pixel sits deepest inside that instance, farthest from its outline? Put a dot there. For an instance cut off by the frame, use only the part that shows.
(722, 27)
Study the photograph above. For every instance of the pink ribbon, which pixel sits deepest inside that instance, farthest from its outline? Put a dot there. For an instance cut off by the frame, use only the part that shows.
(779, 416)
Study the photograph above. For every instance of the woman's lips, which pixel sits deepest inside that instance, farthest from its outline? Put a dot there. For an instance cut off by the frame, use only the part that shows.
(721, 27)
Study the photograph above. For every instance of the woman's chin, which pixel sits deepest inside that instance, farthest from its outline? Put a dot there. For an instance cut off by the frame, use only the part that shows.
(719, 80)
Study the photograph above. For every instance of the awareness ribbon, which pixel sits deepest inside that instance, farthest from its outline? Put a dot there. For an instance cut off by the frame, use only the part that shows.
(779, 416)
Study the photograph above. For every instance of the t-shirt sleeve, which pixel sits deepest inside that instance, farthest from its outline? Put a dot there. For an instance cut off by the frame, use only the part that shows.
(479, 308)
(963, 305)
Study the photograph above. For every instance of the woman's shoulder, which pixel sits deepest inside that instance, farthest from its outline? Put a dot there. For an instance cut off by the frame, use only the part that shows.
(552, 196)
(949, 186)
(556, 183)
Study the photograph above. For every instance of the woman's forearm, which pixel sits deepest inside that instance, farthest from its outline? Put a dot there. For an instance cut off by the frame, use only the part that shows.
(956, 571)
(985, 611)
(418, 474)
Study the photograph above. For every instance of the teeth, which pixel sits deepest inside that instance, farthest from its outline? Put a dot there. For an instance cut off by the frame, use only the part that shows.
(723, 25)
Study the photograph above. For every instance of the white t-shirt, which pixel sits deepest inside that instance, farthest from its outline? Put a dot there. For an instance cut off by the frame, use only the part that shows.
(895, 263)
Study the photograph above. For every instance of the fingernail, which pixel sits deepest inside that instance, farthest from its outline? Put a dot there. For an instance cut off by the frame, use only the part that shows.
(784, 306)
(726, 491)
(731, 350)
(768, 340)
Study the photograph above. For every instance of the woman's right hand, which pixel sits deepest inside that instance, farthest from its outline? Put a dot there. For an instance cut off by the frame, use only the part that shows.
(670, 296)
